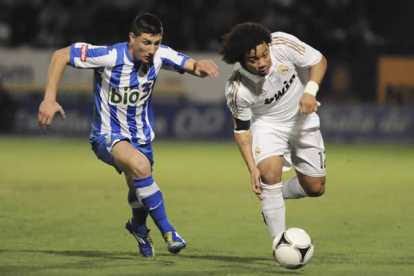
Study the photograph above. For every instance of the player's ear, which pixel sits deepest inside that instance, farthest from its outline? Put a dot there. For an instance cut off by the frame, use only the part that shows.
(132, 37)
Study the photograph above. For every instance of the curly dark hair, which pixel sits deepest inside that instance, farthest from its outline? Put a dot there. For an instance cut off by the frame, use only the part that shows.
(241, 39)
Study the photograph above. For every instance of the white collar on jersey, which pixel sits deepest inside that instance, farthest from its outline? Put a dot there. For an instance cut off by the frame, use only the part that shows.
(255, 78)
(250, 76)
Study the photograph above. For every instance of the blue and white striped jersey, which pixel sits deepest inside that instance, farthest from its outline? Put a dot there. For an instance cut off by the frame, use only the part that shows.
(122, 88)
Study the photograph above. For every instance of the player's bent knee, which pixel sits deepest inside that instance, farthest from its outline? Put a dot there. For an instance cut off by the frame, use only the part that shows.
(140, 170)
(270, 177)
(317, 189)
(317, 192)
(136, 167)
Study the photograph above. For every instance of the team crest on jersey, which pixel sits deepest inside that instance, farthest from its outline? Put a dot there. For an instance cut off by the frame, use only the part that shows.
(257, 150)
(283, 69)
(108, 139)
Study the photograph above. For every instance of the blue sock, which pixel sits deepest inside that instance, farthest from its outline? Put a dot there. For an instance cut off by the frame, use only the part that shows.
(153, 201)
(139, 215)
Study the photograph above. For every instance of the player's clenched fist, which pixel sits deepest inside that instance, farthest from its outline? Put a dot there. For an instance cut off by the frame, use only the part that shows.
(47, 110)
(308, 104)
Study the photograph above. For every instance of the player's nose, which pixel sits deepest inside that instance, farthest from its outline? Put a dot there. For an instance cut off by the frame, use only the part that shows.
(152, 49)
(262, 63)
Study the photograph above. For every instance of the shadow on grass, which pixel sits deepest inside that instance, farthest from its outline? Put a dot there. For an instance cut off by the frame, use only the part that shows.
(114, 255)
(266, 264)
(118, 255)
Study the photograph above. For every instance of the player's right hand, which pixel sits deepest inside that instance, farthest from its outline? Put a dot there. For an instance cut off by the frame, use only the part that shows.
(308, 104)
(47, 110)
(256, 183)
(206, 67)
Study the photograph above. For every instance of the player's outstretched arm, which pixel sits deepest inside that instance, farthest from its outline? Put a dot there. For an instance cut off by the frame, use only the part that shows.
(308, 102)
(49, 106)
(201, 68)
(244, 142)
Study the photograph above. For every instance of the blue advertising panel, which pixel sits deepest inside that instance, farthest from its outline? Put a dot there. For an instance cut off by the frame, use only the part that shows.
(186, 121)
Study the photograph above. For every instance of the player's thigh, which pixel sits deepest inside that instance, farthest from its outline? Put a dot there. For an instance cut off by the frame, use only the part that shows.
(271, 169)
(102, 145)
(308, 154)
(131, 161)
(268, 142)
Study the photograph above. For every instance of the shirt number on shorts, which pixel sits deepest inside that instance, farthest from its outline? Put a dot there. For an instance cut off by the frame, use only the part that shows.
(322, 158)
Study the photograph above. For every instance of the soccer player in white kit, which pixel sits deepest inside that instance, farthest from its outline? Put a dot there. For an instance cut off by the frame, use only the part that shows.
(122, 129)
(271, 95)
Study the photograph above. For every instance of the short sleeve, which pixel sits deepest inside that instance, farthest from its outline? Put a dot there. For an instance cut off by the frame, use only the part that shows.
(239, 107)
(83, 55)
(287, 46)
(171, 59)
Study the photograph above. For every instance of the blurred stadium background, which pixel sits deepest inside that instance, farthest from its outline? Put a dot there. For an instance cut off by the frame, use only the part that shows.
(367, 95)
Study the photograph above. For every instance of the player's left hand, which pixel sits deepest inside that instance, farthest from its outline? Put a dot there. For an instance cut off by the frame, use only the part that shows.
(205, 67)
(308, 104)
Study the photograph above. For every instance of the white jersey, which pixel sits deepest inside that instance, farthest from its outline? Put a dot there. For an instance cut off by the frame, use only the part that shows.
(274, 100)
(123, 88)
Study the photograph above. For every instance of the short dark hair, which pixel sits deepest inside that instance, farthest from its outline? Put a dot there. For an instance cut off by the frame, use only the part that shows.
(147, 23)
(241, 39)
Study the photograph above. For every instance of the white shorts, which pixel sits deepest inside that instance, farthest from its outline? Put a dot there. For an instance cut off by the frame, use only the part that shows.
(304, 150)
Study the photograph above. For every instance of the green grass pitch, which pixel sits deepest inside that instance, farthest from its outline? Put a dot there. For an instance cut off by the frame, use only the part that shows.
(62, 212)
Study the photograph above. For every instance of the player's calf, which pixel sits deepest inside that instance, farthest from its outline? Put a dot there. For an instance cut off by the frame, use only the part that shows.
(273, 208)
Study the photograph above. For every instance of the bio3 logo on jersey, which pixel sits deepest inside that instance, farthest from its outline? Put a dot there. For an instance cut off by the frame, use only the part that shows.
(126, 96)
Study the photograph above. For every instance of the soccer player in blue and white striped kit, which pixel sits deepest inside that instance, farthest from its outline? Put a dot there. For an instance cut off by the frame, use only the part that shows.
(122, 129)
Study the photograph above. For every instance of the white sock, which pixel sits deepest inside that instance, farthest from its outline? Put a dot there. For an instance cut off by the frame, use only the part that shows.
(293, 189)
(273, 208)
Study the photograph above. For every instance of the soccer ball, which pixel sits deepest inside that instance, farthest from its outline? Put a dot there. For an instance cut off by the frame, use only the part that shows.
(292, 248)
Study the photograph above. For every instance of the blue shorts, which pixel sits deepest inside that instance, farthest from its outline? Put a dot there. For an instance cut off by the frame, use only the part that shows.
(102, 146)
